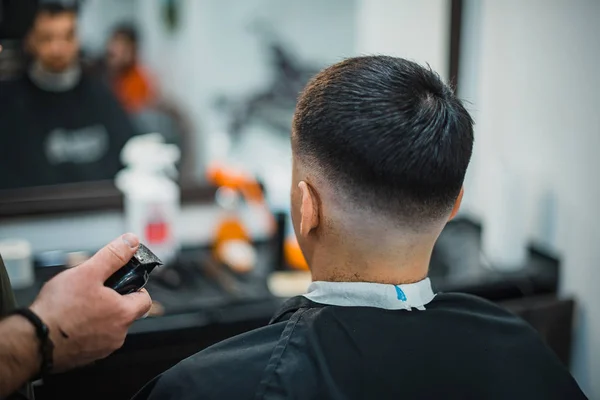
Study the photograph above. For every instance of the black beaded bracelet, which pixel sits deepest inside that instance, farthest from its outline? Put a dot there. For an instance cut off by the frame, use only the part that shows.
(43, 334)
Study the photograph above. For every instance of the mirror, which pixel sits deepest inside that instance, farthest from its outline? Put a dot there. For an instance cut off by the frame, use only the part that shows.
(218, 78)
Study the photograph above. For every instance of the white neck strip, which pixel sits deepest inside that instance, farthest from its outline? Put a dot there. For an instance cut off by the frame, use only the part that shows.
(55, 82)
(366, 294)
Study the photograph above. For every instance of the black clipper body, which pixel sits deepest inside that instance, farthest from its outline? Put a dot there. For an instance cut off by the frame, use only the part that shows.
(134, 275)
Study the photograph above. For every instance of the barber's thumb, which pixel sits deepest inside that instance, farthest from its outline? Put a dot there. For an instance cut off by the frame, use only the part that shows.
(138, 304)
(114, 255)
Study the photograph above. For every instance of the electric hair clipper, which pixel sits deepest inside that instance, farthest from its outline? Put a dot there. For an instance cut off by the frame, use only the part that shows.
(134, 275)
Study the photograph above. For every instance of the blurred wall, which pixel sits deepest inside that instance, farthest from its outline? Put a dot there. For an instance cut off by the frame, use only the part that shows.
(97, 19)
(215, 52)
(417, 30)
(531, 70)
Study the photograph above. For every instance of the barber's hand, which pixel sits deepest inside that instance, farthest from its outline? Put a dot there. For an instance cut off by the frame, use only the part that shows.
(88, 320)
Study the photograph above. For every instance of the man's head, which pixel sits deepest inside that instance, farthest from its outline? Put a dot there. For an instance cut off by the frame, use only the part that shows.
(52, 39)
(121, 50)
(380, 146)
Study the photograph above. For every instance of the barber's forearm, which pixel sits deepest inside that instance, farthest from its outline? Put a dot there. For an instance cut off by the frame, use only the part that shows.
(19, 354)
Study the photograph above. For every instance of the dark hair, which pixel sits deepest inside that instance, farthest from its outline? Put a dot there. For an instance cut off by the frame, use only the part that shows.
(55, 8)
(51, 8)
(128, 31)
(389, 133)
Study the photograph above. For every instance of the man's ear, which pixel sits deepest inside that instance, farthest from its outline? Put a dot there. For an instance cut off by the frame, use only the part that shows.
(457, 204)
(309, 209)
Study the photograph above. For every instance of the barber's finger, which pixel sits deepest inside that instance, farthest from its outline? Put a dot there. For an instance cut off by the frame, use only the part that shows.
(138, 304)
(113, 256)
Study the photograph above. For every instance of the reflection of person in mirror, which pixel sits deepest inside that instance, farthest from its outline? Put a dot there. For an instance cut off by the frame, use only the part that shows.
(129, 79)
(59, 125)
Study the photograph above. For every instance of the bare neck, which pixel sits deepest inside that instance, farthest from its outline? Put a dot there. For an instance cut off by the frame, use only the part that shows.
(390, 259)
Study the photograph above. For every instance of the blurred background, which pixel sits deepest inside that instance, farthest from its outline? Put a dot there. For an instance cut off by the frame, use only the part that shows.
(207, 89)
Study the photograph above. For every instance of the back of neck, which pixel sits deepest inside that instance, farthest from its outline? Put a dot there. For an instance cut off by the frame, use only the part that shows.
(387, 263)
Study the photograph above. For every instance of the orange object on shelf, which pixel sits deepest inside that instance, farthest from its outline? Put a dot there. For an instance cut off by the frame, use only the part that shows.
(231, 236)
(232, 242)
(230, 228)
(293, 254)
(234, 179)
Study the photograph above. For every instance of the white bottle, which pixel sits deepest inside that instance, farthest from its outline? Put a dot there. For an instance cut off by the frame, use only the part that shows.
(152, 197)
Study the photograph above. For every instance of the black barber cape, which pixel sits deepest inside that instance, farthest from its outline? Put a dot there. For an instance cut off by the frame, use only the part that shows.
(458, 347)
(49, 138)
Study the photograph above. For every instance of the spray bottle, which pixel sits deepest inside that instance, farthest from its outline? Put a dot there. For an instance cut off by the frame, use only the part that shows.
(152, 197)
